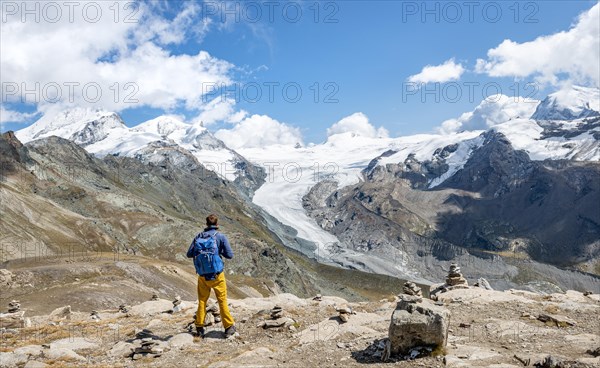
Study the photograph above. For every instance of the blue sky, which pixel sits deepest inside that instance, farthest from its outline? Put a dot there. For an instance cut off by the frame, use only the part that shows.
(362, 59)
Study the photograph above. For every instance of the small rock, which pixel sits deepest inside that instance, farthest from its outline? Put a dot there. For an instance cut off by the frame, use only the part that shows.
(209, 319)
(181, 340)
(409, 298)
(595, 353)
(483, 283)
(559, 321)
(344, 309)
(62, 312)
(62, 353)
(121, 349)
(14, 306)
(271, 323)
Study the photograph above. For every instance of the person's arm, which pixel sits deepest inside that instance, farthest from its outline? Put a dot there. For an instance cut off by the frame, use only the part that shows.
(190, 252)
(225, 249)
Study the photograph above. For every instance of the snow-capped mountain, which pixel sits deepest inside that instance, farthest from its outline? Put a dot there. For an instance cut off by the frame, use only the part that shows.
(81, 125)
(569, 104)
(345, 158)
(493, 110)
(427, 161)
(103, 133)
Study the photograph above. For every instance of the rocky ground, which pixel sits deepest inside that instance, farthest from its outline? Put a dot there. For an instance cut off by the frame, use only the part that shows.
(488, 328)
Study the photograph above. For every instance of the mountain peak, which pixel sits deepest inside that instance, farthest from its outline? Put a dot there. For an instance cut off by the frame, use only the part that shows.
(81, 125)
(575, 102)
(493, 110)
(162, 125)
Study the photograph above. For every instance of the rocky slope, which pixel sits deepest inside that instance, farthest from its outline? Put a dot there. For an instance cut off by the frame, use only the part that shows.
(487, 328)
(498, 210)
(63, 209)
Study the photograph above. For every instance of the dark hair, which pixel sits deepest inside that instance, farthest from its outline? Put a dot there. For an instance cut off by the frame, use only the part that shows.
(212, 220)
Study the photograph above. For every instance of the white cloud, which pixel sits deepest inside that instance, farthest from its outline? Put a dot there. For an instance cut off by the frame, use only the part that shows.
(575, 52)
(448, 71)
(11, 116)
(259, 131)
(494, 110)
(357, 123)
(220, 110)
(127, 60)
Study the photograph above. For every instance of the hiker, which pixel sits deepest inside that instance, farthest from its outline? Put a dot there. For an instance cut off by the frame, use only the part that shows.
(207, 249)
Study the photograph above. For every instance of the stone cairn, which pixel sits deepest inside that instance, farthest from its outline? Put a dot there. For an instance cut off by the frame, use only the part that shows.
(411, 293)
(455, 278)
(177, 306)
(344, 313)
(144, 333)
(14, 306)
(276, 312)
(212, 315)
(276, 319)
(149, 347)
(410, 288)
(95, 316)
(154, 297)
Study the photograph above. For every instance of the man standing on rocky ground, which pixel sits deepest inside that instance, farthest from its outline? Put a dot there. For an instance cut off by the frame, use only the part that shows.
(207, 249)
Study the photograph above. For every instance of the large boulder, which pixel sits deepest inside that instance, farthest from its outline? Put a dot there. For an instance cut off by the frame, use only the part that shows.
(417, 322)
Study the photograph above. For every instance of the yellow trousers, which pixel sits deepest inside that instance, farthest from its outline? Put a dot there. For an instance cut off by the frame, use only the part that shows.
(220, 287)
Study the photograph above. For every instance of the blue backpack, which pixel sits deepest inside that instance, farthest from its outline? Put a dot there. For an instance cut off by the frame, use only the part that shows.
(207, 260)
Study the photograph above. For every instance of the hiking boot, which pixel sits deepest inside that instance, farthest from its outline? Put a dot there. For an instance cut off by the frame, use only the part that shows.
(200, 332)
(229, 331)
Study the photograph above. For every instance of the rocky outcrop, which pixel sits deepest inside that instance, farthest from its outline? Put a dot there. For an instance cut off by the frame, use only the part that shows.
(417, 322)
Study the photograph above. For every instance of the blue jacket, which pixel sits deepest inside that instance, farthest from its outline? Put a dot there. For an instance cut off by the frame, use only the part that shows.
(222, 243)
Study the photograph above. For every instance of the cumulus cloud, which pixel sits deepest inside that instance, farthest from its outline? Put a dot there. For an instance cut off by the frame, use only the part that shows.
(446, 72)
(575, 52)
(110, 63)
(11, 116)
(259, 131)
(357, 123)
(494, 110)
(220, 110)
